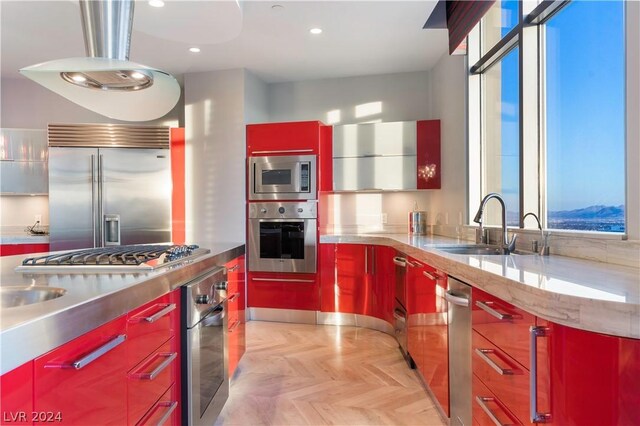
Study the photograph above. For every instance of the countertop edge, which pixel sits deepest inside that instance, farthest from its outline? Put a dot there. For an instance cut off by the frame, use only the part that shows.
(39, 336)
(600, 316)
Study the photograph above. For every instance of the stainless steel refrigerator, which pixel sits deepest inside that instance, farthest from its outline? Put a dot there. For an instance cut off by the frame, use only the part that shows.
(108, 185)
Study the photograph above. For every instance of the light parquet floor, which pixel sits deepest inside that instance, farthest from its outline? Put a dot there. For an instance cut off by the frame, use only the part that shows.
(298, 374)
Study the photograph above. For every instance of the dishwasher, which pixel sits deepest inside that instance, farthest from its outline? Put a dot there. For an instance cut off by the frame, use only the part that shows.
(458, 298)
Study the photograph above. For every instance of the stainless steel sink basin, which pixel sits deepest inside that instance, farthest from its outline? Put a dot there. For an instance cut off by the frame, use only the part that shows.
(13, 296)
(478, 249)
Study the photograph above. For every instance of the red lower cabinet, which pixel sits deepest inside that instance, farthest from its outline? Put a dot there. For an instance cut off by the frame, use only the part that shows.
(164, 411)
(283, 291)
(13, 249)
(587, 378)
(84, 381)
(348, 287)
(16, 390)
(384, 275)
(236, 312)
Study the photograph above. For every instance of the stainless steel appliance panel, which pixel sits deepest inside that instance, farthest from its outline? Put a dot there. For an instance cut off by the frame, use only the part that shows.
(458, 298)
(73, 192)
(136, 196)
(282, 177)
(283, 237)
(205, 378)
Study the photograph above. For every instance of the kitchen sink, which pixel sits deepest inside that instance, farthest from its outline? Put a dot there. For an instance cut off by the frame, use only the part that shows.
(13, 296)
(479, 249)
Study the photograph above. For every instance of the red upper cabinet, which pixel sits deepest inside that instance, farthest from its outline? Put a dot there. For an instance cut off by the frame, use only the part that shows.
(428, 154)
(294, 138)
(85, 379)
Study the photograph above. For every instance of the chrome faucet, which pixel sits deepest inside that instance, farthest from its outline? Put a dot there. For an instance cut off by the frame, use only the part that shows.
(507, 245)
(544, 250)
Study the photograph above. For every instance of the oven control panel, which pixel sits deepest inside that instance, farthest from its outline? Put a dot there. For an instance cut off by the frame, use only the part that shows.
(284, 210)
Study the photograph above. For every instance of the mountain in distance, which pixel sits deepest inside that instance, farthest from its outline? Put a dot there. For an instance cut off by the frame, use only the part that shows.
(591, 212)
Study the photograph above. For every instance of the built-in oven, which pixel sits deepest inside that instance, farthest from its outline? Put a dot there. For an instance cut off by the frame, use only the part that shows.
(283, 237)
(282, 177)
(205, 381)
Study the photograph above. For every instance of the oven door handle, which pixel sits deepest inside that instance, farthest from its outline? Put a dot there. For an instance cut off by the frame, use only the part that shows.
(283, 220)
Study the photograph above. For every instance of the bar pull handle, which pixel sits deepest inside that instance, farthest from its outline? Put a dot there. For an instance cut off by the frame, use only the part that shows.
(287, 280)
(366, 260)
(482, 353)
(88, 359)
(171, 406)
(456, 300)
(111, 229)
(429, 275)
(93, 197)
(487, 307)
(235, 324)
(168, 356)
(534, 333)
(282, 151)
(234, 268)
(400, 261)
(100, 203)
(162, 312)
(482, 402)
(233, 297)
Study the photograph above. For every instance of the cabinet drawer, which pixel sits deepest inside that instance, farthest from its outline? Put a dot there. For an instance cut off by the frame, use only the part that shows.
(150, 326)
(164, 411)
(487, 409)
(149, 380)
(505, 325)
(502, 375)
(233, 308)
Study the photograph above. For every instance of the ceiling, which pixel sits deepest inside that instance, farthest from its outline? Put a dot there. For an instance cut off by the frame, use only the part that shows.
(359, 37)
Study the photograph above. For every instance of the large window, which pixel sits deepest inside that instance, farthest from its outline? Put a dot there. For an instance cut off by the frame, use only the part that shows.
(551, 133)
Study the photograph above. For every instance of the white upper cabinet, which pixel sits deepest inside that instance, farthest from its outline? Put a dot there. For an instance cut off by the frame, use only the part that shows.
(374, 139)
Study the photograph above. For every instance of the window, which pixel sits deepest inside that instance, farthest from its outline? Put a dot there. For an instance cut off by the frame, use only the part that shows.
(550, 99)
(585, 117)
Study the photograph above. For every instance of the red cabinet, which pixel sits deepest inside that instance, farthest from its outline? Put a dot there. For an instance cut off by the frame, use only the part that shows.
(16, 395)
(587, 378)
(85, 380)
(283, 291)
(383, 271)
(13, 249)
(236, 308)
(427, 327)
(428, 154)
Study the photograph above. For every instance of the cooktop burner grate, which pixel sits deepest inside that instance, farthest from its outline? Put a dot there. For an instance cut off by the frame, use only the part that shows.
(117, 255)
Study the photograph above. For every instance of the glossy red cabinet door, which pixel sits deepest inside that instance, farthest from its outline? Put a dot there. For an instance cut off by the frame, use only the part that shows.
(283, 291)
(16, 395)
(294, 138)
(353, 282)
(92, 393)
(13, 249)
(587, 378)
(384, 283)
(164, 412)
(428, 154)
(236, 308)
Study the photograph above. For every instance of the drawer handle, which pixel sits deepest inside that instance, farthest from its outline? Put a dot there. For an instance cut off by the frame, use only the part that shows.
(485, 306)
(482, 402)
(400, 261)
(235, 324)
(83, 362)
(171, 406)
(430, 276)
(162, 312)
(234, 268)
(482, 353)
(456, 300)
(233, 297)
(536, 416)
(287, 280)
(169, 357)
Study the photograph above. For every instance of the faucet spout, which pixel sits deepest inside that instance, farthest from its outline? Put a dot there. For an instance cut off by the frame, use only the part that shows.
(507, 245)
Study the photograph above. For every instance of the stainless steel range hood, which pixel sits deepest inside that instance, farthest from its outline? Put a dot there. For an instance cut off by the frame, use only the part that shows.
(106, 81)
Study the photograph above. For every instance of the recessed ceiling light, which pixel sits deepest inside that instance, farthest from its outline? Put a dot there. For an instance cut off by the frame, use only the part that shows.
(79, 78)
(315, 30)
(156, 3)
(194, 49)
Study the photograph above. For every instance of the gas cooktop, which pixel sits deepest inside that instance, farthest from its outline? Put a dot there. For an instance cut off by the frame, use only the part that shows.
(133, 258)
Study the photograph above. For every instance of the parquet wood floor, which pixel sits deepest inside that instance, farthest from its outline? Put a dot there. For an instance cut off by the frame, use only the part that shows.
(298, 374)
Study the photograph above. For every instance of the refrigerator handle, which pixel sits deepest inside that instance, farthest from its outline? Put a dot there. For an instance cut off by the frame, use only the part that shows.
(100, 203)
(93, 197)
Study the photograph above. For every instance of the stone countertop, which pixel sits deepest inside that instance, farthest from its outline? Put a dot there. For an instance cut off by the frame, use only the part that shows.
(578, 293)
(91, 300)
(19, 235)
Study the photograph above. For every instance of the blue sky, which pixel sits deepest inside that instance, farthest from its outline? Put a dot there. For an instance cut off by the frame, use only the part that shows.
(585, 106)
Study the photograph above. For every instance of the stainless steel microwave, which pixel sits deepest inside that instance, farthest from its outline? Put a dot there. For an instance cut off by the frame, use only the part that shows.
(283, 177)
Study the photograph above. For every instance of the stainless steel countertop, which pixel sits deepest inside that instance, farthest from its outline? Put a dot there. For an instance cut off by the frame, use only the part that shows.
(91, 300)
(583, 294)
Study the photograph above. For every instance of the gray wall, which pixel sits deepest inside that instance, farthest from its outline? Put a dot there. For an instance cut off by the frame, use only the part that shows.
(403, 96)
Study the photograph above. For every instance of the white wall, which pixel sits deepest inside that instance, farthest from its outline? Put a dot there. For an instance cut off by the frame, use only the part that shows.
(25, 104)
(17, 210)
(256, 102)
(448, 102)
(215, 156)
(402, 96)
